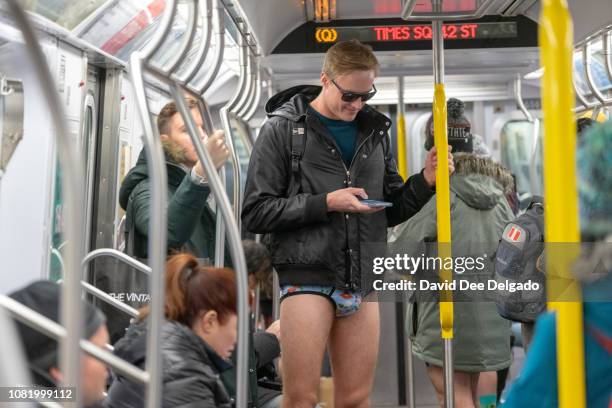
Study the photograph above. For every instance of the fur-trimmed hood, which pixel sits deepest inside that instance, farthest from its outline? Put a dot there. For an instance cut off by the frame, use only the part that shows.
(479, 181)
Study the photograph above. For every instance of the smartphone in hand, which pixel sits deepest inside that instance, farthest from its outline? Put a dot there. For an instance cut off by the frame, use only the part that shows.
(375, 203)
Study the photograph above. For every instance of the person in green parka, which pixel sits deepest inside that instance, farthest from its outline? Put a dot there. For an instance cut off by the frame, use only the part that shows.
(479, 212)
(190, 211)
(191, 219)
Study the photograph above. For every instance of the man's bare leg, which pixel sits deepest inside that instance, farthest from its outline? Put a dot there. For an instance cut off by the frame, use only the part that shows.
(462, 385)
(486, 385)
(306, 321)
(353, 346)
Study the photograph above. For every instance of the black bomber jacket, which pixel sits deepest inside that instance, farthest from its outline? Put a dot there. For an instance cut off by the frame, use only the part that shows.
(309, 245)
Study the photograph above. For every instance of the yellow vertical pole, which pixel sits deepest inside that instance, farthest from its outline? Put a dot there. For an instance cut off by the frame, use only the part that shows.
(561, 205)
(443, 207)
(402, 150)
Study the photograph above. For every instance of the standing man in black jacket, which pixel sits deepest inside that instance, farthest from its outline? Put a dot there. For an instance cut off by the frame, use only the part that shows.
(321, 150)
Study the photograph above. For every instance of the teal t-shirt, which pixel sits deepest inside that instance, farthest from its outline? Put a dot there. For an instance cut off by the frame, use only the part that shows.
(344, 133)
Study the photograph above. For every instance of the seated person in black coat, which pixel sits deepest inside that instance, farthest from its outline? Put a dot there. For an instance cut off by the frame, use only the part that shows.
(198, 337)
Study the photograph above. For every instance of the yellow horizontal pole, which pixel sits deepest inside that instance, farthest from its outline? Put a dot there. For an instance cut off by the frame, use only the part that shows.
(561, 205)
(443, 208)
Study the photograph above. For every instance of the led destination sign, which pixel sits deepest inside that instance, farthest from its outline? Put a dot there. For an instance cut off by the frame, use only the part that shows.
(420, 32)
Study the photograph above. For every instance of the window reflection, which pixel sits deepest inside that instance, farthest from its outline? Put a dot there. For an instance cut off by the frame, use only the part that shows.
(67, 13)
(517, 140)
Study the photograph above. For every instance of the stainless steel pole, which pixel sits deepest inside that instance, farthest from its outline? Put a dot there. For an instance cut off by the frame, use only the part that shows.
(219, 27)
(253, 108)
(50, 328)
(192, 22)
(438, 61)
(71, 313)
(275, 295)
(113, 253)
(586, 62)
(235, 244)
(203, 48)
(157, 232)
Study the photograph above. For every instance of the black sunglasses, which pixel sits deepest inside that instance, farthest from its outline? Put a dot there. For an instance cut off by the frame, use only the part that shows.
(348, 96)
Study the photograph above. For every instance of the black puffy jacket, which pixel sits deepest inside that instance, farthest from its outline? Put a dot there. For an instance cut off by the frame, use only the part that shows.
(190, 368)
(309, 245)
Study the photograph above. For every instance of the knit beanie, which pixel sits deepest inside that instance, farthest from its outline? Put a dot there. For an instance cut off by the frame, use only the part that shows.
(42, 351)
(458, 128)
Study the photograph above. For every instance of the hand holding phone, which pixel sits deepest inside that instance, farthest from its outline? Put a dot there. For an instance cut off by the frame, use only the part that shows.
(375, 203)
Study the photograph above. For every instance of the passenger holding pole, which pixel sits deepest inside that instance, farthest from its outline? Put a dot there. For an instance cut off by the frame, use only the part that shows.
(322, 150)
(478, 213)
(191, 217)
(191, 220)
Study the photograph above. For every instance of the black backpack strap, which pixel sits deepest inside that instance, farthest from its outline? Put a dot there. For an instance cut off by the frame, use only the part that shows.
(298, 145)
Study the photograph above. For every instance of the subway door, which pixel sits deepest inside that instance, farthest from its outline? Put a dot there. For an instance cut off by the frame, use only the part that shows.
(71, 76)
(88, 143)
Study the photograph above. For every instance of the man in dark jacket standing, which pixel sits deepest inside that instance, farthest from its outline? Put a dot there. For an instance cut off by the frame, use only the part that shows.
(320, 152)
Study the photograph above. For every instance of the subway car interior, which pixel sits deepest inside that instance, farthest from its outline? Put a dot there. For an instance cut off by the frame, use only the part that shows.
(83, 84)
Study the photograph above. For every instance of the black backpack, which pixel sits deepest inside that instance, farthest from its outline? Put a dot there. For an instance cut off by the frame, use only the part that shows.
(516, 260)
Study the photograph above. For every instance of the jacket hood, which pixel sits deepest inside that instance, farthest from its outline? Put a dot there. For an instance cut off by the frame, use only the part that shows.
(299, 96)
(140, 172)
(479, 181)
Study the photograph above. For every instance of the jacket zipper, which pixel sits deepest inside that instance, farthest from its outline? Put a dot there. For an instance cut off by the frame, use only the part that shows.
(348, 175)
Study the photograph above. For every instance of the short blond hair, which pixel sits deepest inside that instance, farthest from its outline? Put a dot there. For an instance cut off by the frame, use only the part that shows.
(349, 56)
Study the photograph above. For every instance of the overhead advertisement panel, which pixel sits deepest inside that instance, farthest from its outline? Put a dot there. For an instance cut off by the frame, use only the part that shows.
(397, 35)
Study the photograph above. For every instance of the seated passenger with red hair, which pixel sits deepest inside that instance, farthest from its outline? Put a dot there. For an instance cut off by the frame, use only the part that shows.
(197, 339)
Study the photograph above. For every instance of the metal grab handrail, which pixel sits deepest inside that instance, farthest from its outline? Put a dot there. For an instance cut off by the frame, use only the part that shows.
(71, 314)
(157, 230)
(235, 244)
(249, 86)
(105, 297)
(257, 97)
(217, 61)
(518, 96)
(13, 371)
(581, 98)
(200, 89)
(113, 253)
(253, 84)
(224, 113)
(589, 77)
(533, 171)
(161, 33)
(607, 46)
(200, 57)
(50, 328)
(401, 131)
(157, 242)
(192, 23)
(560, 190)
(139, 64)
(443, 207)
